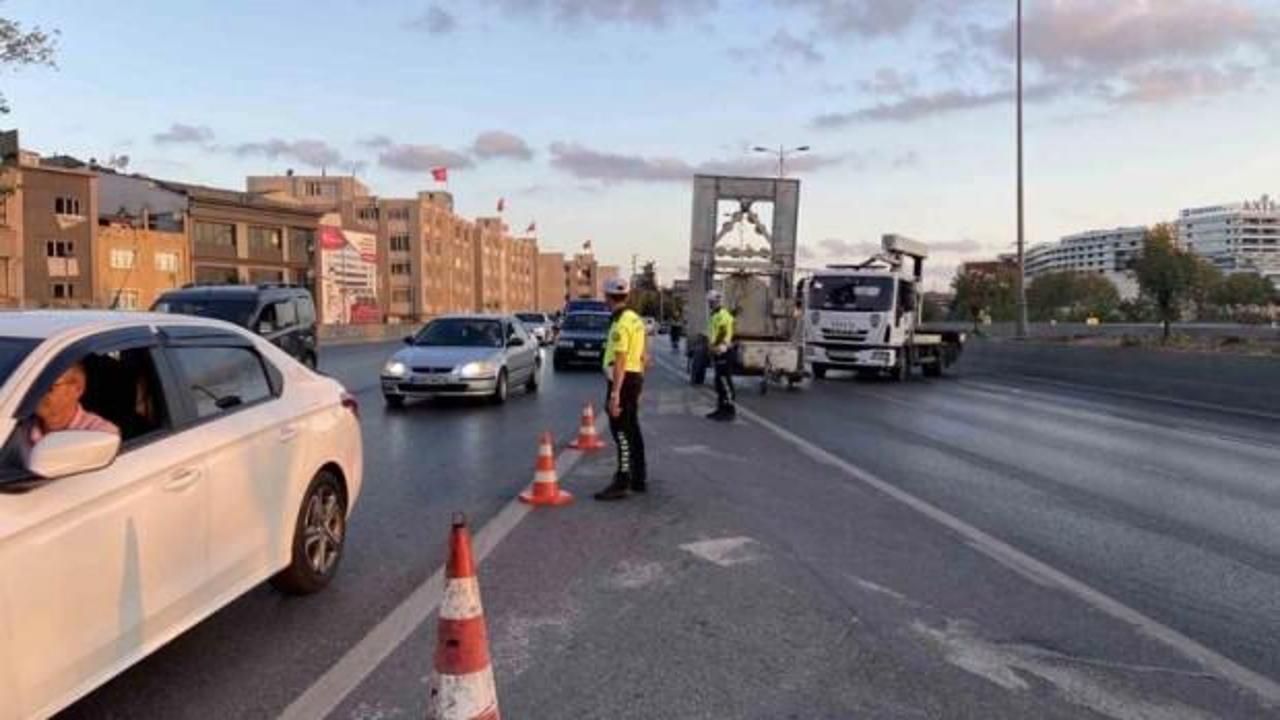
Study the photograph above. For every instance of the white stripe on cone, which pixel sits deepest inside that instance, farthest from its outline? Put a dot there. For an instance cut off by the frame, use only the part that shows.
(463, 697)
(461, 599)
(545, 476)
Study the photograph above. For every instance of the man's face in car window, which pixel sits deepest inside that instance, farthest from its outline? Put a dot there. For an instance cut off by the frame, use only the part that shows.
(60, 402)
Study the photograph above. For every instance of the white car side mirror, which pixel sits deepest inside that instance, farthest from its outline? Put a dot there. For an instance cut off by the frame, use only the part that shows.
(70, 452)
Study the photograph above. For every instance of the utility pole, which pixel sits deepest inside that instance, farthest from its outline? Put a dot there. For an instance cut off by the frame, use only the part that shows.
(1022, 260)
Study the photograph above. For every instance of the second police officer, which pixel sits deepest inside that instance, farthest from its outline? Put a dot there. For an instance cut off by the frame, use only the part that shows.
(720, 343)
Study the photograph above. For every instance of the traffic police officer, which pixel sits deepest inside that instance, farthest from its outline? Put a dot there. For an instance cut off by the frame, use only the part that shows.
(624, 364)
(720, 341)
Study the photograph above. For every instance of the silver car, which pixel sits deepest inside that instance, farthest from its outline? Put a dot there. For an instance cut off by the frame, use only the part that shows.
(539, 325)
(463, 356)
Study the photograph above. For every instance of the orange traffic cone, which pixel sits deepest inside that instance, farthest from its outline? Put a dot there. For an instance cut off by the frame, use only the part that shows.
(546, 487)
(462, 685)
(587, 439)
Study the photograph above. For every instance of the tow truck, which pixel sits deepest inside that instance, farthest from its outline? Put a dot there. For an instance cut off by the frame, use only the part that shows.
(866, 317)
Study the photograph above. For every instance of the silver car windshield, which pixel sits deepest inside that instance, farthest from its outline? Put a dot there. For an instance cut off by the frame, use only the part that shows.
(460, 332)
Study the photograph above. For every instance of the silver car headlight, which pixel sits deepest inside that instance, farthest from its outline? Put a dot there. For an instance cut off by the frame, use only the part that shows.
(478, 369)
(395, 368)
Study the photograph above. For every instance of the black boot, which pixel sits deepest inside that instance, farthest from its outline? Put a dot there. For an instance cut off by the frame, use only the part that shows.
(617, 490)
(717, 414)
(640, 483)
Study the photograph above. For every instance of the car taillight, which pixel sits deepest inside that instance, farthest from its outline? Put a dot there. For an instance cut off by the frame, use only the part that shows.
(350, 402)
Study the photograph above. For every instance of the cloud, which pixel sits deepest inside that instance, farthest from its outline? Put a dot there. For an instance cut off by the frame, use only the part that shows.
(956, 247)
(890, 81)
(916, 107)
(421, 158)
(436, 21)
(375, 142)
(652, 13)
(867, 18)
(493, 144)
(315, 153)
(1159, 85)
(783, 47)
(178, 133)
(1093, 35)
(590, 164)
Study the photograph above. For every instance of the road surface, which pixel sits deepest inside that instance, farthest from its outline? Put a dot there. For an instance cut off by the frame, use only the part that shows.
(765, 576)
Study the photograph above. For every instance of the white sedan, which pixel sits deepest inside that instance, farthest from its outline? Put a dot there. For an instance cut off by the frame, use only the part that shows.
(154, 468)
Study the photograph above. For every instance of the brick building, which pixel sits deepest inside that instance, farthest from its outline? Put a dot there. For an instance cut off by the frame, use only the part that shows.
(133, 263)
(551, 282)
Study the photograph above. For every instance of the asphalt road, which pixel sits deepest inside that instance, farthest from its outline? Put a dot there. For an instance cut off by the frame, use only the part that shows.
(1169, 509)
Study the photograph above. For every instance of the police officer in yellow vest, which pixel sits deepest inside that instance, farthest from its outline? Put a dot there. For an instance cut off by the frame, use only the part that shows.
(625, 358)
(720, 341)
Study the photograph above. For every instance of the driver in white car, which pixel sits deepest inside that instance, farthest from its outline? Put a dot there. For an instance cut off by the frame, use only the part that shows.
(60, 409)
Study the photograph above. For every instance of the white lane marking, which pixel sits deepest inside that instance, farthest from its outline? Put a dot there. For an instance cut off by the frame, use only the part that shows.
(725, 552)
(1150, 397)
(330, 689)
(1004, 553)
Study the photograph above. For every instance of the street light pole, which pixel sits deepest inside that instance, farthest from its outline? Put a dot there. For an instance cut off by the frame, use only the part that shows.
(782, 153)
(1022, 265)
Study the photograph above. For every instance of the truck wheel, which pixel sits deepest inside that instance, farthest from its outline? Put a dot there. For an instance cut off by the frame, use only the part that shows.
(819, 371)
(933, 369)
(902, 372)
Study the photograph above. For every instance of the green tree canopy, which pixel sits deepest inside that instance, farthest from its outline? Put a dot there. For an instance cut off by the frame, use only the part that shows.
(20, 47)
(1170, 277)
(1243, 289)
(1071, 296)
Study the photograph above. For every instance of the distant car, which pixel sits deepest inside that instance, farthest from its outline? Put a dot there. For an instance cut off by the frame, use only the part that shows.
(581, 341)
(463, 356)
(585, 305)
(540, 326)
(232, 464)
(650, 325)
(283, 314)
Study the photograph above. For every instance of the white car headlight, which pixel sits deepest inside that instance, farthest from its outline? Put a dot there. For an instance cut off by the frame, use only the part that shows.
(395, 368)
(478, 369)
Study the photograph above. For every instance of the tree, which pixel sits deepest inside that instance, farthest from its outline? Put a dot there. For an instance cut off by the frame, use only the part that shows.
(994, 294)
(1169, 276)
(19, 48)
(1242, 290)
(1072, 296)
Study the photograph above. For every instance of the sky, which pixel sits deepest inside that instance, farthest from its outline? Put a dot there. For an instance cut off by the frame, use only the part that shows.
(590, 116)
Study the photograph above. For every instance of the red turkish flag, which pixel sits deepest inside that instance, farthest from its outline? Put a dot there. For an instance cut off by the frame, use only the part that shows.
(440, 174)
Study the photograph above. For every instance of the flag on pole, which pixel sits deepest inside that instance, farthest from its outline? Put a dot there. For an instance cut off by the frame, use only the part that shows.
(502, 204)
(586, 246)
(533, 228)
(440, 174)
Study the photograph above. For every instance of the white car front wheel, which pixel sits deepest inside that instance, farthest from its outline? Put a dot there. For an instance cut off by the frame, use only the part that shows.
(319, 537)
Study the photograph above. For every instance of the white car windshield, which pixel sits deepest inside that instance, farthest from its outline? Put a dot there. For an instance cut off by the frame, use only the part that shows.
(460, 332)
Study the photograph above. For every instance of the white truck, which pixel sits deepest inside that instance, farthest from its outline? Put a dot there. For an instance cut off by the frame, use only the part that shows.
(867, 317)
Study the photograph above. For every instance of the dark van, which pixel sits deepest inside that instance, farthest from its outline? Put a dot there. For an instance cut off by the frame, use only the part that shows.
(283, 314)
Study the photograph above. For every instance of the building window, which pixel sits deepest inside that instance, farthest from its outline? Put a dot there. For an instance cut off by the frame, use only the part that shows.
(264, 240)
(167, 262)
(401, 295)
(400, 269)
(216, 275)
(126, 300)
(399, 243)
(302, 244)
(398, 213)
(122, 258)
(313, 189)
(66, 205)
(60, 248)
(369, 212)
(215, 234)
(63, 291)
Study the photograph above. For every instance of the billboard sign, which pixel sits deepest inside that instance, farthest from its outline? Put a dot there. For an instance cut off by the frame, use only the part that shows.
(348, 277)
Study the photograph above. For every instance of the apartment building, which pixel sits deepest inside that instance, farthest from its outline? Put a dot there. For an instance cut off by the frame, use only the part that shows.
(1109, 253)
(11, 239)
(550, 283)
(50, 227)
(134, 264)
(1236, 237)
(522, 268)
(582, 278)
(492, 258)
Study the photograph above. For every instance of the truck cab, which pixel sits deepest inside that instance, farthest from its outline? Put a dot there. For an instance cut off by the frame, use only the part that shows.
(866, 317)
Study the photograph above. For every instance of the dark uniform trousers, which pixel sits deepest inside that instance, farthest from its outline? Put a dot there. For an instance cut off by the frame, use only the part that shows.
(626, 429)
(725, 396)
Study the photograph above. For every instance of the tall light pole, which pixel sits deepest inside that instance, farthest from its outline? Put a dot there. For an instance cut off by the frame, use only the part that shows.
(782, 152)
(1022, 265)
